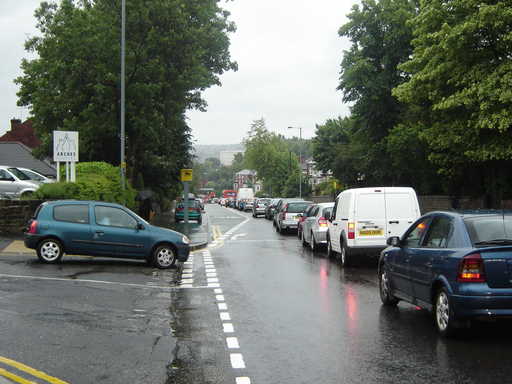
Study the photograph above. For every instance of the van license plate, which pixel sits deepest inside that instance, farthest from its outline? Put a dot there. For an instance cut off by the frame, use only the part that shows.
(371, 232)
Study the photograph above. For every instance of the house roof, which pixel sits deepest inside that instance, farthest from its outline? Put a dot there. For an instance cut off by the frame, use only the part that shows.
(16, 154)
(23, 133)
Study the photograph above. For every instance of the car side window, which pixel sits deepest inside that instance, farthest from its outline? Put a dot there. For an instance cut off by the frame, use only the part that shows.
(4, 176)
(72, 213)
(333, 215)
(413, 237)
(113, 217)
(440, 233)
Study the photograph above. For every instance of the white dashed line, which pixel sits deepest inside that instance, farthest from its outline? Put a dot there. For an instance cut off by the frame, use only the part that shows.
(224, 316)
(213, 285)
(217, 290)
(210, 270)
(212, 280)
(187, 281)
(228, 327)
(237, 360)
(222, 306)
(243, 380)
(232, 343)
(219, 297)
(212, 274)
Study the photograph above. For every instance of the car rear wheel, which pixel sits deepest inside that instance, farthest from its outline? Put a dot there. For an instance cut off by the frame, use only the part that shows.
(345, 256)
(50, 251)
(443, 314)
(312, 243)
(330, 252)
(303, 239)
(164, 257)
(200, 220)
(386, 296)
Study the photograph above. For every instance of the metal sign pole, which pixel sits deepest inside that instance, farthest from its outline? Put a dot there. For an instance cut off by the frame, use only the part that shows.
(185, 202)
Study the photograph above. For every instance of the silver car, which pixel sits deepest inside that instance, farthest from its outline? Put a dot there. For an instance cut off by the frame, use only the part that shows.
(314, 227)
(13, 186)
(36, 176)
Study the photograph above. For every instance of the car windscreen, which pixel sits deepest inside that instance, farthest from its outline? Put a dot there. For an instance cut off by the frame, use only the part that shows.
(297, 207)
(488, 230)
(20, 175)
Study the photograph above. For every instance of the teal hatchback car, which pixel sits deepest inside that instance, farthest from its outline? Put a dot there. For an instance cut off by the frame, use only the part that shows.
(101, 229)
(194, 211)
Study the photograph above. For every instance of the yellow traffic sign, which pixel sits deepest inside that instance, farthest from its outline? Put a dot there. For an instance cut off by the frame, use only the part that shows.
(186, 175)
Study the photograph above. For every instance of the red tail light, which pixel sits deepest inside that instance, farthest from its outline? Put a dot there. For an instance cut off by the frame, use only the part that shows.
(33, 227)
(351, 231)
(322, 222)
(471, 269)
(180, 209)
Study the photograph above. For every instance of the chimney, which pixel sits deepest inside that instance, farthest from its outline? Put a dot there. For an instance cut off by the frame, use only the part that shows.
(15, 123)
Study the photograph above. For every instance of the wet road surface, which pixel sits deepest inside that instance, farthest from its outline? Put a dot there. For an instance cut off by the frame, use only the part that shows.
(298, 317)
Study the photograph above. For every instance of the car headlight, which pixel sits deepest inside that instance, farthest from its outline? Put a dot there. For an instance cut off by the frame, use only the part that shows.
(185, 240)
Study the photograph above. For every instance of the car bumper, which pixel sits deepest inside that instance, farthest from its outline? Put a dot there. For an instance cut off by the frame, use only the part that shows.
(370, 251)
(191, 216)
(289, 224)
(482, 306)
(31, 240)
(321, 237)
(183, 251)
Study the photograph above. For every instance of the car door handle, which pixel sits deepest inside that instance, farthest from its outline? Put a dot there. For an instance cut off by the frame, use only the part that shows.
(101, 233)
(394, 222)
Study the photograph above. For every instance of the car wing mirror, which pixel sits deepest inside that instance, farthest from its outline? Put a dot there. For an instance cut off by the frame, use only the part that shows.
(140, 226)
(394, 241)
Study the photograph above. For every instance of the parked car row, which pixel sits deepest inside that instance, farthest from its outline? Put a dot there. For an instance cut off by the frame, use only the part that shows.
(458, 265)
(18, 182)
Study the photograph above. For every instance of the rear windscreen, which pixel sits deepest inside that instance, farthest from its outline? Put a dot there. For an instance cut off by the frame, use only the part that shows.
(297, 207)
(488, 228)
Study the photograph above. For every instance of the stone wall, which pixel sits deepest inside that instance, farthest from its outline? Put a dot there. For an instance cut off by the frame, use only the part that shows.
(14, 215)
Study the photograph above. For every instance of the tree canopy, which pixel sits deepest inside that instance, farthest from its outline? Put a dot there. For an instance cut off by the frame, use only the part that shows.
(175, 49)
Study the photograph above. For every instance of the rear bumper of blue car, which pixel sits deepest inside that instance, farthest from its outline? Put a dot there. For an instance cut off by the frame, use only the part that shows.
(482, 306)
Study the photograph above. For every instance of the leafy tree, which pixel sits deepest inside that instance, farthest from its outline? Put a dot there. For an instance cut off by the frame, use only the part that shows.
(175, 49)
(459, 87)
(381, 41)
(328, 137)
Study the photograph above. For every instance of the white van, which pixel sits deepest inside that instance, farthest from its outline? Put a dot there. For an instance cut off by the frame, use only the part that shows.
(363, 218)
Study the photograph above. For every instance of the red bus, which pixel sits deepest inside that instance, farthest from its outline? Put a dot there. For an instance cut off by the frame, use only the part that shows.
(229, 194)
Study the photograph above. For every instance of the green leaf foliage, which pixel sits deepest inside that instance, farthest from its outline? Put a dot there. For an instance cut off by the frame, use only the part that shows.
(95, 181)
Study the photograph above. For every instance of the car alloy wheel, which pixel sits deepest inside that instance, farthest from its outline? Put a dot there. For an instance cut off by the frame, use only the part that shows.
(444, 316)
(164, 257)
(385, 292)
(312, 243)
(49, 251)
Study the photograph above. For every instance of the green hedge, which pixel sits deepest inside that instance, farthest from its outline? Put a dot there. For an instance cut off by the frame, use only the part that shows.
(95, 181)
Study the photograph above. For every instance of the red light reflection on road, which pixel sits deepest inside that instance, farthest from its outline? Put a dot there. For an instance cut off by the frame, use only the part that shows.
(351, 307)
(324, 285)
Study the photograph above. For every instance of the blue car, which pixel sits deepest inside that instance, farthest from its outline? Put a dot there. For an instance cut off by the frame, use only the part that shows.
(458, 265)
(101, 229)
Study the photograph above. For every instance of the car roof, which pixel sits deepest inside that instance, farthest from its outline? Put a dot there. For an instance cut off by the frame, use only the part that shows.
(56, 202)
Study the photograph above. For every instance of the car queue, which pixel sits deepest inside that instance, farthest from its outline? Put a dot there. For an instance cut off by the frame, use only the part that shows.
(458, 265)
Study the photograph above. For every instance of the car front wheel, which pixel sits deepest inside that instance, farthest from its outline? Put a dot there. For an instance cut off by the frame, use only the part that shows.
(386, 296)
(164, 257)
(50, 251)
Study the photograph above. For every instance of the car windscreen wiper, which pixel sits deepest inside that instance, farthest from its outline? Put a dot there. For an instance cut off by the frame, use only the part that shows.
(495, 242)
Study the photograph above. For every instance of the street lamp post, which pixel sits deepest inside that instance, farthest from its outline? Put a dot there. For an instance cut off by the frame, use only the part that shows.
(300, 158)
(123, 73)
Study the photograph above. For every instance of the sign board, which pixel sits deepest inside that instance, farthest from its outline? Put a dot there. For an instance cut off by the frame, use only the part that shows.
(65, 146)
(186, 175)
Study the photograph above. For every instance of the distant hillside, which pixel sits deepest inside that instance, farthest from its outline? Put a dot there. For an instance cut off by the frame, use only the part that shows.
(203, 152)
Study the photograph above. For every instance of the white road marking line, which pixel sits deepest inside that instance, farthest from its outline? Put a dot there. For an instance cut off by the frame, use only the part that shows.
(225, 316)
(232, 343)
(243, 380)
(213, 285)
(139, 310)
(187, 275)
(217, 290)
(237, 360)
(212, 280)
(219, 298)
(84, 281)
(211, 275)
(187, 286)
(210, 270)
(228, 327)
(188, 270)
(187, 281)
(222, 306)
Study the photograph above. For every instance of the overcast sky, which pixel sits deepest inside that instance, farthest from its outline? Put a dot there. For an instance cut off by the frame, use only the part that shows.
(288, 52)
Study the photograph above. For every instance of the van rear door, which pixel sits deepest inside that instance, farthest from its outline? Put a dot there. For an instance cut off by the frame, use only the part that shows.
(370, 218)
(401, 211)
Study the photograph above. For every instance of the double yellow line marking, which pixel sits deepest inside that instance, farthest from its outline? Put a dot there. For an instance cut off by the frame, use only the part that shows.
(25, 368)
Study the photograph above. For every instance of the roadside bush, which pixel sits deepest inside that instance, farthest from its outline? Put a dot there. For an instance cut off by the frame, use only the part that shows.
(95, 181)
